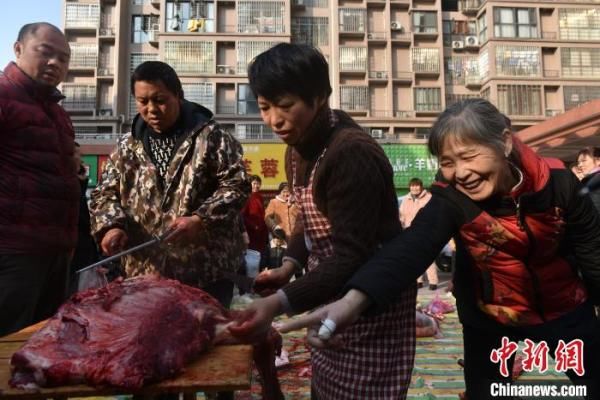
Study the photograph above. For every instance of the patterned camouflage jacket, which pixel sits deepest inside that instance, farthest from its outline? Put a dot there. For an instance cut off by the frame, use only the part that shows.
(206, 177)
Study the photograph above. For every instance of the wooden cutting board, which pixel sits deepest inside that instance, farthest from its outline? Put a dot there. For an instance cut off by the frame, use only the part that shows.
(221, 368)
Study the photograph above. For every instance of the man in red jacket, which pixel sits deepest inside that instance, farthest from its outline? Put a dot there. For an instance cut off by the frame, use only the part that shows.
(39, 190)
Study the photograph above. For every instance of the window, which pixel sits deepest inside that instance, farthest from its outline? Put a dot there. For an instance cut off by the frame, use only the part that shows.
(202, 93)
(577, 95)
(458, 69)
(352, 19)
(141, 27)
(515, 22)
(424, 22)
(354, 98)
(82, 15)
(579, 23)
(428, 99)
(425, 60)
(181, 13)
(482, 28)
(484, 63)
(353, 59)
(313, 31)
(261, 16)
(253, 131)
(520, 99)
(79, 97)
(83, 55)
(246, 102)
(580, 62)
(190, 57)
(452, 98)
(518, 60)
(246, 51)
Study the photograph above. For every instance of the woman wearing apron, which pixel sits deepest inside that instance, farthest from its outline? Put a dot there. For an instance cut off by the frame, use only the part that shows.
(343, 183)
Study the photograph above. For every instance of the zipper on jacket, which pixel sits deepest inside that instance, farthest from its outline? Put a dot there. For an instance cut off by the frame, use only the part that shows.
(522, 223)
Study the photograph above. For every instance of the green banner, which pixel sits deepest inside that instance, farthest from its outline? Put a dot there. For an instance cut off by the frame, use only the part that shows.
(91, 164)
(411, 161)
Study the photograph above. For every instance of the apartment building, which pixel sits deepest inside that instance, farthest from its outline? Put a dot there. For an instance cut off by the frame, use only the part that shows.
(395, 64)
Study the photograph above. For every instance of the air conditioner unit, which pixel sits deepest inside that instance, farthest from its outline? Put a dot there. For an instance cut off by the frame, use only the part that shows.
(370, 36)
(103, 72)
(381, 75)
(377, 133)
(299, 3)
(103, 32)
(458, 44)
(105, 112)
(472, 41)
(223, 69)
(396, 26)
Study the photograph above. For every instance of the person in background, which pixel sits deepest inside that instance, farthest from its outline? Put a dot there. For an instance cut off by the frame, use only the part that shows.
(86, 252)
(576, 170)
(39, 189)
(588, 161)
(280, 217)
(528, 251)
(254, 220)
(410, 206)
(332, 163)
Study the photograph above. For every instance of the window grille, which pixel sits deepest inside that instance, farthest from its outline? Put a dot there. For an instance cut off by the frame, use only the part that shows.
(353, 58)
(518, 60)
(580, 62)
(458, 68)
(484, 63)
(352, 19)
(253, 131)
(179, 13)
(246, 51)
(246, 102)
(202, 93)
(313, 31)
(578, 95)
(190, 57)
(141, 27)
(482, 28)
(82, 15)
(579, 23)
(79, 97)
(520, 99)
(452, 98)
(354, 98)
(261, 16)
(83, 55)
(426, 60)
(428, 99)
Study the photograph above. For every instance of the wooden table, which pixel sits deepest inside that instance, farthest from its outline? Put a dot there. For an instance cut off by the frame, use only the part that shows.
(221, 368)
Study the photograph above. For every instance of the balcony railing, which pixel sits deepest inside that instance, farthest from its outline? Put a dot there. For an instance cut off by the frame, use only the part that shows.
(97, 136)
(376, 35)
(402, 75)
(380, 113)
(353, 106)
(472, 79)
(79, 104)
(469, 6)
(552, 112)
(428, 107)
(426, 68)
(226, 108)
(106, 71)
(404, 113)
(551, 73)
(107, 31)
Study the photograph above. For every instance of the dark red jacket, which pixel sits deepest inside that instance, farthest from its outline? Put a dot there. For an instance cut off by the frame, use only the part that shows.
(254, 220)
(39, 190)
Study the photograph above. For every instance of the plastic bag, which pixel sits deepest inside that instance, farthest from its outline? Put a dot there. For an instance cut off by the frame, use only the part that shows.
(427, 325)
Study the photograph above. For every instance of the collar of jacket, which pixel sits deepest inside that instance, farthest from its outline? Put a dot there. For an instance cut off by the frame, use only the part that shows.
(420, 196)
(317, 134)
(33, 88)
(194, 118)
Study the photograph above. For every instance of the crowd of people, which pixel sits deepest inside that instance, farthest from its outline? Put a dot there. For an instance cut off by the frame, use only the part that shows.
(334, 241)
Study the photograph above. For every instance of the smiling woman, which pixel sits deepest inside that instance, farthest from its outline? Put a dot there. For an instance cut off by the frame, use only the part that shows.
(527, 249)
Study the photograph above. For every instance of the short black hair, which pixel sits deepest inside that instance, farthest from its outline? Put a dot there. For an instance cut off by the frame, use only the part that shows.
(415, 182)
(590, 151)
(253, 178)
(31, 29)
(283, 185)
(157, 71)
(290, 68)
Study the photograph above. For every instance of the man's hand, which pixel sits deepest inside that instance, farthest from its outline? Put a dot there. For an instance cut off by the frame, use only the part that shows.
(342, 313)
(270, 280)
(114, 241)
(185, 230)
(255, 328)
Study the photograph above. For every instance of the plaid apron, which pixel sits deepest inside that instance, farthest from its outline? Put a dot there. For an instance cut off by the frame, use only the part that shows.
(377, 359)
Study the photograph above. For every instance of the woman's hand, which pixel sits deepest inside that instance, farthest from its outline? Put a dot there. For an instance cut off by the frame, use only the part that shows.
(114, 241)
(185, 230)
(270, 280)
(255, 328)
(342, 313)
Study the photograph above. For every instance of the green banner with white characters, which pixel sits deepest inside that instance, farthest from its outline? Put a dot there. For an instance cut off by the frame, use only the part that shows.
(411, 161)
